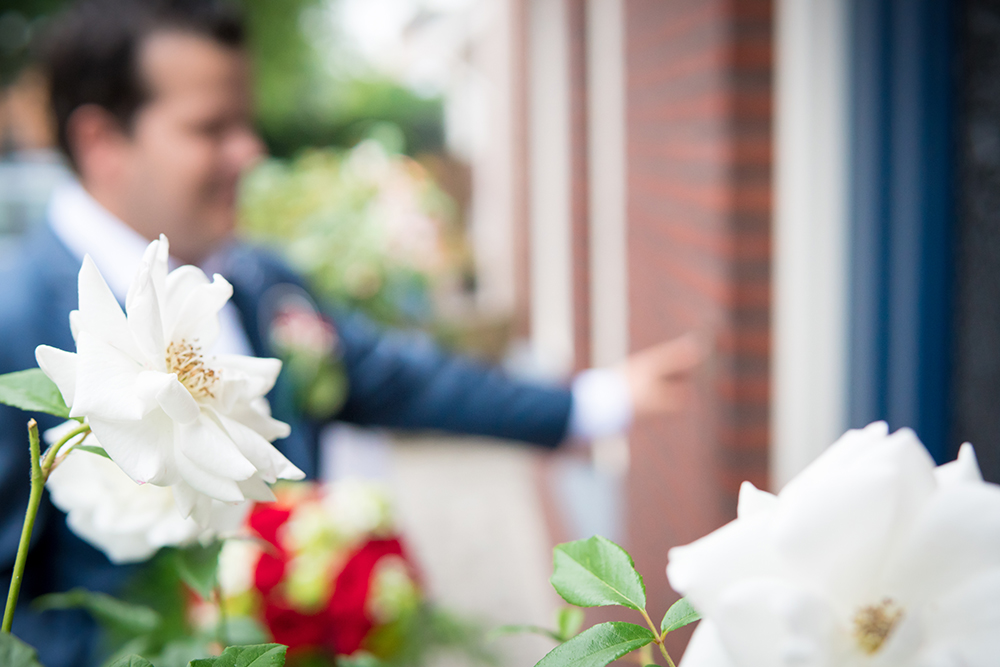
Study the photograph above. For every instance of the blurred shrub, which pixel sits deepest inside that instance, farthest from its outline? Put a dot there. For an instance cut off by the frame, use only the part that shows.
(370, 229)
(313, 91)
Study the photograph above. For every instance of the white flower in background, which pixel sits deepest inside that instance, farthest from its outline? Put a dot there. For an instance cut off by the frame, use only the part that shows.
(358, 507)
(129, 522)
(164, 411)
(237, 562)
(871, 556)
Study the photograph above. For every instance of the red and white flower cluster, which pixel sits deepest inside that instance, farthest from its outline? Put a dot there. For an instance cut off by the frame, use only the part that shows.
(328, 574)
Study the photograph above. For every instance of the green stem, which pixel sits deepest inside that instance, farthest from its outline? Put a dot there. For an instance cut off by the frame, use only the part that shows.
(657, 638)
(41, 467)
(49, 459)
(37, 486)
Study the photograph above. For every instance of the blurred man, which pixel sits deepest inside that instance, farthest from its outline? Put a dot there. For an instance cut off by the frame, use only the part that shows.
(153, 107)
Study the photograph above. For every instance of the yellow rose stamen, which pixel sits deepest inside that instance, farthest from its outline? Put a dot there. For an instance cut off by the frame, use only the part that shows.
(873, 623)
(185, 359)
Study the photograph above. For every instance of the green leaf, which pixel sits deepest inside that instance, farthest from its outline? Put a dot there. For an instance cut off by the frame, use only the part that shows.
(598, 646)
(259, 655)
(131, 618)
(93, 450)
(198, 567)
(568, 620)
(33, 391)
(681, 613)
(15, 653)
(504, 630)
(132, 661)
(596, 573)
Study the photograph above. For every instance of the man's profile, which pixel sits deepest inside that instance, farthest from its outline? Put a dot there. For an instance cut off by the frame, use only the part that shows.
(153, 107)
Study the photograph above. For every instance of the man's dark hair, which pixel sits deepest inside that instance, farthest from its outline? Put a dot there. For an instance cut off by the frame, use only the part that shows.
(91, 51)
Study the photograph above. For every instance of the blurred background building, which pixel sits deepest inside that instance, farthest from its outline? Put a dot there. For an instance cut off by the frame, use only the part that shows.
(813, 184)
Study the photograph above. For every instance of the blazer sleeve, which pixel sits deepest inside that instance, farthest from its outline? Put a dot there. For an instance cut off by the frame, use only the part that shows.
(403, 380)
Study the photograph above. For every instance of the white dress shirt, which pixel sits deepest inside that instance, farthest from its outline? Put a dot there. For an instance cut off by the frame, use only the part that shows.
(601, 404)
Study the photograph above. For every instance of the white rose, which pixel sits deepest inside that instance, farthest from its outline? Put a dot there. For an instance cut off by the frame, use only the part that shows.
(129, 522)
(164, 411)
(871, 556)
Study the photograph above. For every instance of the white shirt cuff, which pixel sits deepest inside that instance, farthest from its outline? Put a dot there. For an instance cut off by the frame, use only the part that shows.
(602, 404)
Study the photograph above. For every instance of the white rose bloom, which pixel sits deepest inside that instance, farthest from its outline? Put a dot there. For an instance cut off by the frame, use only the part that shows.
(871, 556)
(165, 412)
(129, 522)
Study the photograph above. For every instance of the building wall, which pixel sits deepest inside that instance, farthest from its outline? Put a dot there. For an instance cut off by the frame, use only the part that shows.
(698, 124)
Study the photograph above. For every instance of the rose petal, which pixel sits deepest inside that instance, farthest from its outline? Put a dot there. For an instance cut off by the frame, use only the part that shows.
(143, 449)
(106, 378)
(704, 569)
(198, 317)
(963, 469)
(706, 648)
(769, 622)
(839, 530)
(754, 501)
(269, 462)
(99, 312)
(166, 391)
(965, 624)
(207, 483)
(144, 321)
(210, 448)
(956, 536)
(60, 367)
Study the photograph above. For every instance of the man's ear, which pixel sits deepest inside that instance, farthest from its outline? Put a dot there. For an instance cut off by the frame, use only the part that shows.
(97, 141)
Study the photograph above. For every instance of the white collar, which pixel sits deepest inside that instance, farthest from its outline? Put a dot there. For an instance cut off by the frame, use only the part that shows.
(87, 228)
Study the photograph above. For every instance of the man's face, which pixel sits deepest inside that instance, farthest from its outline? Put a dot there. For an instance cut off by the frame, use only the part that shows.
(189, 143)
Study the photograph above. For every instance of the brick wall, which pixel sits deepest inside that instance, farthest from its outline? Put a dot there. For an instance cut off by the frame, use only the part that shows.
(698, 109)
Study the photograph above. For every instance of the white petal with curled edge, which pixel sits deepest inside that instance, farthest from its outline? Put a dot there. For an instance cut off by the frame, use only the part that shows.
(174, 398)
(99, 312)
(105, 384)
(211, 449)
(144, 320)
(179, 285)
(843, 453)
(198, 318)
(706, 648)
(260, 372)
(703, 569)
(143, 449)
(74, 324)
(255, 489)
(60, 367)
(256, 414)
(269, 462)
(963, 469)
(754, 501)
(208, 483)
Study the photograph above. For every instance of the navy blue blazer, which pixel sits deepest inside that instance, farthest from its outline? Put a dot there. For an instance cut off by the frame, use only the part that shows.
(395, 380)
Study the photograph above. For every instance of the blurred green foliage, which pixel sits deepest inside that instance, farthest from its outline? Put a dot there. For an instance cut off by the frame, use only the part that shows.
(370, 229)
(311, 92)
(20, 21)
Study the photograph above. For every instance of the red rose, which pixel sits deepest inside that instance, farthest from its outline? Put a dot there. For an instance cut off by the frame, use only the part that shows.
(347, 606)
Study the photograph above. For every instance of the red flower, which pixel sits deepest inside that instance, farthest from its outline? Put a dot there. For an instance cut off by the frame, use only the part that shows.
(350, 621)
(343, 624)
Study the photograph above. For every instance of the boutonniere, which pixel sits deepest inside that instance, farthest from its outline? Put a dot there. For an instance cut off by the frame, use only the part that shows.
(308, 344)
